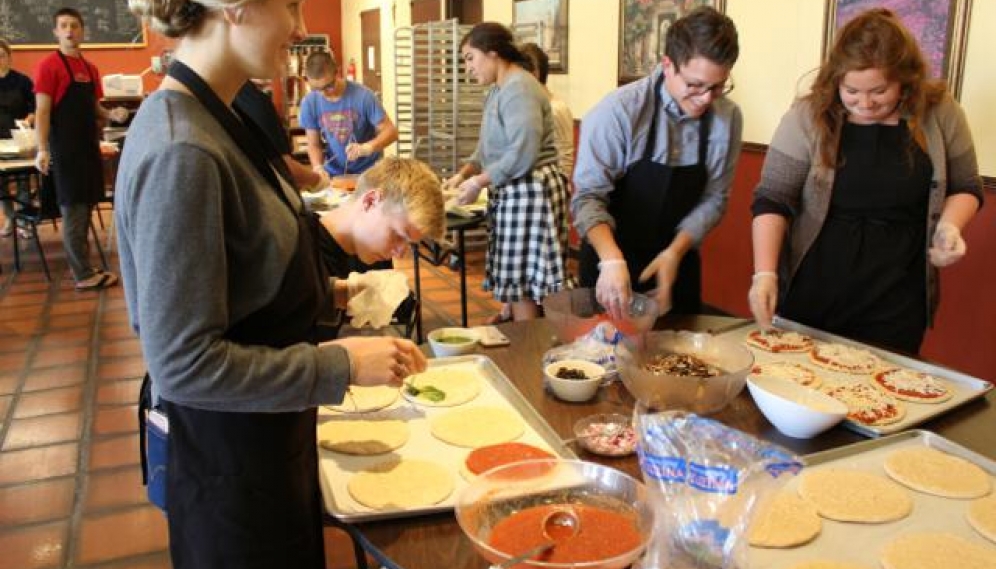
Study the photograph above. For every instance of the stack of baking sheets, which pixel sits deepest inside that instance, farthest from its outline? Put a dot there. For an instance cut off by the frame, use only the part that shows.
(497, 391)
(963, 387)
(863, 544)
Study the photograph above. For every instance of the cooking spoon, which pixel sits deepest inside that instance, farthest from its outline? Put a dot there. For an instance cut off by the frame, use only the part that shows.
(558, 525)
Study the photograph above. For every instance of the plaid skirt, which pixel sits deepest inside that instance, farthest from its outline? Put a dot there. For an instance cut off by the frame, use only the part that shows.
(527, 247)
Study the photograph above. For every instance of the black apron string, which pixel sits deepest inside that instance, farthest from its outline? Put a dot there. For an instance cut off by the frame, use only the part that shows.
(144, 405)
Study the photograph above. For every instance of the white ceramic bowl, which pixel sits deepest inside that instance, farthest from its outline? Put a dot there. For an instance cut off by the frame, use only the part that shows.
(575, 390)
(447, 342)
(795, 410)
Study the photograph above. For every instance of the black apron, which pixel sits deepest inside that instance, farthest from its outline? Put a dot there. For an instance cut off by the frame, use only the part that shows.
(242, 488)
(12, 105)
(77, 169)
(648, 203)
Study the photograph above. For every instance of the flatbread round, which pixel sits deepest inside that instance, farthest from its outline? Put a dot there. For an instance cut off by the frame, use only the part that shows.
(484, 458)
(401, 484)
(910, 385)
(936, 550)
(779, 341)
(982, 516)
(799, 373)
(363, 437)
(855, 496)
(934, 472)
(785, 521)
(843, 358)
(457, 385)
(365, 398)
(866, 404)
(477, 426)
(820, 564)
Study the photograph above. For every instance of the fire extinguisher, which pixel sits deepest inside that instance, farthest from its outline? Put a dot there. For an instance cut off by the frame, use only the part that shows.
(351, 70)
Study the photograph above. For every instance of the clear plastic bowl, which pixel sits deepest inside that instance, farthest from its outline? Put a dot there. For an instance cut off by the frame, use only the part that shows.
(606, 434)
(575, 312)
(698, 395)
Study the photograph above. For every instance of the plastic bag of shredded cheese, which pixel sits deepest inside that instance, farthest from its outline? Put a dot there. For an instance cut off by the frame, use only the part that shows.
(704, 479)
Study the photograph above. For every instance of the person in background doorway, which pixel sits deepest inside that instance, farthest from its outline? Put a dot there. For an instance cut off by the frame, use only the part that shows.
(17, 102)
(255, 103)
(346, 116)
(517, 157)
(69, 121)
(866, 187)
(654, 170)
(563, 120)
(224, 286)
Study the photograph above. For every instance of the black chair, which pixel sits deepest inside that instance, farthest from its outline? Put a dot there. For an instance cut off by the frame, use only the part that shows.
(38, 208)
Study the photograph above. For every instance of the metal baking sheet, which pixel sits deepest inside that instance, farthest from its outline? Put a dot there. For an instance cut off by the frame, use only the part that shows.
(335, 468)
(861, 543)
(964, 387)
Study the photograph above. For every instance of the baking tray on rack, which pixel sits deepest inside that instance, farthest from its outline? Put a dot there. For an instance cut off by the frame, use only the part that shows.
(964, 387)
(335, 469)
(861, 543)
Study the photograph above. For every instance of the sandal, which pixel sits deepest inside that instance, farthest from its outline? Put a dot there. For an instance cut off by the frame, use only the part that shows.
(97, 281)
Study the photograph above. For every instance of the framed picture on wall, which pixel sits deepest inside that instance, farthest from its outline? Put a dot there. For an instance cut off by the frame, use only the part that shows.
(643, 29)
(544, 22)
(940, 26)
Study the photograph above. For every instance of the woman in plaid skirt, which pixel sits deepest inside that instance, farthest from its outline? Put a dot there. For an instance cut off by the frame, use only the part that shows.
(515, 156)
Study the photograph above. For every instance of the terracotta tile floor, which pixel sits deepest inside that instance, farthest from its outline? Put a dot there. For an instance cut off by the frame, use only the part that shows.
(70, 367)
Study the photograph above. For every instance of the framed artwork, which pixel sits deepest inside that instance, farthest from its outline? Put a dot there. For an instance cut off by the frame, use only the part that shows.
(643, 29)
(940, 27)
(544, 22)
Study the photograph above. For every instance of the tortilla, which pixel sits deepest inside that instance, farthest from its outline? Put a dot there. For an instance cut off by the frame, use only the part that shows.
(855, 496)
(936, 550)
(820, 564)
(786, 520)
(458, 386)
(477, 426)
(982, 516)
(401, 484)
(934, 472)
(363, 437)
(365, 398)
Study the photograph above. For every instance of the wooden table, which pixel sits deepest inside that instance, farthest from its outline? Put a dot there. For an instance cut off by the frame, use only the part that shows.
(436, 541)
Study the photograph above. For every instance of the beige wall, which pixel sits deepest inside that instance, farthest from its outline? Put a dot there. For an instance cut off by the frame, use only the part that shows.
(780, 45)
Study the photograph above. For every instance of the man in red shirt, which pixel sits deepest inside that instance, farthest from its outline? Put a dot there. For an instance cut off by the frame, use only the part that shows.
(68, 117)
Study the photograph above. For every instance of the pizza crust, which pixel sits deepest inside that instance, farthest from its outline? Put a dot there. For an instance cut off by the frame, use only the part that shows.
(365, 398)
(779, 341)
(821, 564)
(934, 472)
(866, 404)
(981, 516)
(801, 374)
(473, 427)
(363, 437)
(895, 380)
(401, 484)
(936, 550)
(855, 496)
(459, 385)
(784, 521)
(843, 358)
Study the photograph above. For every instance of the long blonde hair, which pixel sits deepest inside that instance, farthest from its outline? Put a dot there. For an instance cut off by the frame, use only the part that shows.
(873, 39)
(175, 18)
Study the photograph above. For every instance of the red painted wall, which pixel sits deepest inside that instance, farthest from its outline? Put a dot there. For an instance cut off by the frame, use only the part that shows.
(321, 17)
(964, 336)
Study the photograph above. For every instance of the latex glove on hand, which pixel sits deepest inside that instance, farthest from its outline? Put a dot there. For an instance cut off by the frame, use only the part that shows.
(947, 246)
(612, 289)
(763, 297)
(118, 114)
(382, 360)
(664, 268)
(355, 150)
(469, 190)
(452, 183)
(374, 296)
(43, 160)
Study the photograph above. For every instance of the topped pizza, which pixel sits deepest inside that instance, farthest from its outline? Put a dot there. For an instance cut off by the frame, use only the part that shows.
(779, 341)
(867, 405)
(799, 373)
(847, 359)
(910, 385)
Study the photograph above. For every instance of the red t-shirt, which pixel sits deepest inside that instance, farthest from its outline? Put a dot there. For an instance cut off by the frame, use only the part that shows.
(52, 79)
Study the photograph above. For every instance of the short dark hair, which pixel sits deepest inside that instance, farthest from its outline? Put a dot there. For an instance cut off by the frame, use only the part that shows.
(539, 62)
(703, 32)
(492, 36)
(67, 11)
(318, 63)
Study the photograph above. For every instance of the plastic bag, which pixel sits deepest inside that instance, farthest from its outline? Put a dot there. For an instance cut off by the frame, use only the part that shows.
(704, 479)
(597, 346)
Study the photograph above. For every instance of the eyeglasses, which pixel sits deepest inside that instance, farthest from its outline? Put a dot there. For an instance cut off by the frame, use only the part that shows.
(698, 89)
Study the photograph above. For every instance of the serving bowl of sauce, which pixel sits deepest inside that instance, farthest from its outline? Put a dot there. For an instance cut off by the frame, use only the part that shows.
(505, 513)
(452, 341)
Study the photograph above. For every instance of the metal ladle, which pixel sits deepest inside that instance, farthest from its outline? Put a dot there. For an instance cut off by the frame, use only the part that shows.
(559, 525)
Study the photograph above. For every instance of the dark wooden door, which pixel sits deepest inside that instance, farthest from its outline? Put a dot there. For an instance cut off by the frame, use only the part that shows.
(426, 11)
(466, 11)
(370, 52)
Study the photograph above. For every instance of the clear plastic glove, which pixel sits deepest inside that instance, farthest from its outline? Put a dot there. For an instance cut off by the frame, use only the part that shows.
(469, 190)
(355, 150)
(612, 289)
(664, 268)
(118, 114)
(763, 297)
(452, 183)
(43, 160)
(947, 246)
(380, 360)
(374, 296)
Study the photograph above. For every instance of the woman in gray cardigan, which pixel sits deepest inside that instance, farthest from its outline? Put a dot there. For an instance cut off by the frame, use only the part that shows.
(865, 189)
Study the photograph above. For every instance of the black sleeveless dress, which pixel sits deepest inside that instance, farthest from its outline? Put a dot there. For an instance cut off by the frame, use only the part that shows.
(865, 276)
